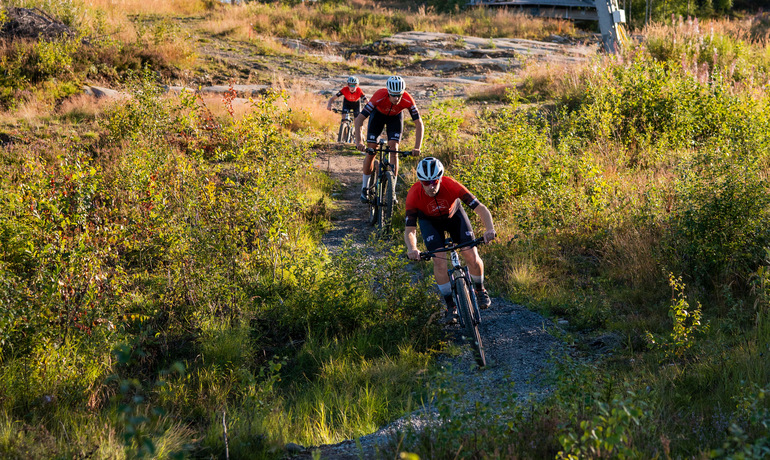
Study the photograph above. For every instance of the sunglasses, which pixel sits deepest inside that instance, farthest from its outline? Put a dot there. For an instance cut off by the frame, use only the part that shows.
(395, 95)
(428, 183)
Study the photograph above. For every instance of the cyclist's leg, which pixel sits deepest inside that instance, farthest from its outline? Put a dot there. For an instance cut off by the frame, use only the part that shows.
(376, 123)
(433, 235)
(373, 130)
(395, 128)
(461, 231)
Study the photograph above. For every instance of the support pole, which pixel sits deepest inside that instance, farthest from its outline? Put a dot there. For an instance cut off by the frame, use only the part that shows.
(612, 25)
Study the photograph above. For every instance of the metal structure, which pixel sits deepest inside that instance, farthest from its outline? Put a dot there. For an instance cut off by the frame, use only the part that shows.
(611, 18)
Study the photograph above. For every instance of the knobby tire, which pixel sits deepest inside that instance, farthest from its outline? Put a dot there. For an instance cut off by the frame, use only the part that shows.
(464, 306)
(374, 209)
(388, 192)
(344, 134)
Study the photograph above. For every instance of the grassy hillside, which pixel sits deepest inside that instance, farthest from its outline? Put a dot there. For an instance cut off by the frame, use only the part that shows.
(160, 271)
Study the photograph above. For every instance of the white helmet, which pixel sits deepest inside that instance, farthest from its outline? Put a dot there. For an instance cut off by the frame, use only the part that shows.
(352, 80)
(395, 85)
(429, 168)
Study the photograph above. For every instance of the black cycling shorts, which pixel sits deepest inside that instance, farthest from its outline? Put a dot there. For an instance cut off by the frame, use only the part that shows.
(434, 230)
(377, 121)
(354, 107)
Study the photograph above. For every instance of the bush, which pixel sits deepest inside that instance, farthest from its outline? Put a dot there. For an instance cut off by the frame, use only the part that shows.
(507, 162)
(719, 226)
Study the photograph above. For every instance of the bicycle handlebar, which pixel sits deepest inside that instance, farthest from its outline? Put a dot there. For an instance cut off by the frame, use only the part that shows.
(371, 151)
(468, 244)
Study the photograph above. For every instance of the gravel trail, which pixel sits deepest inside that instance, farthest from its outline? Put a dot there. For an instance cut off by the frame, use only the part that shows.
(517, 341)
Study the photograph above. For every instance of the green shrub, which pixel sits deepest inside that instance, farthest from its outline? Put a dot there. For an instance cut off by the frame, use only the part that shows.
(749, 435)
(719, 226)
(686, 324)
(653, 107)
(509, 161)
(608, 434)
(442, 121)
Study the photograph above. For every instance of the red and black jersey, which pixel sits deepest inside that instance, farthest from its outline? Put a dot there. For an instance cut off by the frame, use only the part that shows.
(442, 206)
(381, 102)
(351, 96)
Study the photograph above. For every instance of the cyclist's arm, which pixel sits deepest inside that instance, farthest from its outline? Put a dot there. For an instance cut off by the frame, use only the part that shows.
(419, 127)
(410, 238)
(331, 101)
(357, 123)
(486, 217)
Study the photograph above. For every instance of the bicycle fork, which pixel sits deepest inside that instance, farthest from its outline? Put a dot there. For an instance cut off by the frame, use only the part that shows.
(464, 277)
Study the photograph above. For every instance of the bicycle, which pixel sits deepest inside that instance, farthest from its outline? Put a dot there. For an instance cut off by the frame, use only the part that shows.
(381, 189)
(345, 134)
(464, 295)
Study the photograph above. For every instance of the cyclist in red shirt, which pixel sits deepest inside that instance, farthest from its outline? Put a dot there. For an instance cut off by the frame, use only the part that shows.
(353, 95)
(385, 108)
(434, 202)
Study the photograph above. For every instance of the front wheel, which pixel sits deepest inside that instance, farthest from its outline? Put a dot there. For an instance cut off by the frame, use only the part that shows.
(374, 208)
(387, 193)
(464, 306)
(345, 132)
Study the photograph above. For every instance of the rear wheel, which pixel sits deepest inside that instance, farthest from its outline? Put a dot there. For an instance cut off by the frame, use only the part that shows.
(470, 322)
(372, 194)
(387, 193)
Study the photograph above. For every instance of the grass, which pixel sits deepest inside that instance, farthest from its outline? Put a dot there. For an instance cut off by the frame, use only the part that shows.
(350, 395)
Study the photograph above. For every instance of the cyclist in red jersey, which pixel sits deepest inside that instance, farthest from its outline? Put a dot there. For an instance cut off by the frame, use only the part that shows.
(434, 202)
(385, 108)
(353, 96)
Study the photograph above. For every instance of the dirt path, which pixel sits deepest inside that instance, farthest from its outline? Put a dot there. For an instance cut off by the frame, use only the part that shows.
(343, 164)
(518, 342)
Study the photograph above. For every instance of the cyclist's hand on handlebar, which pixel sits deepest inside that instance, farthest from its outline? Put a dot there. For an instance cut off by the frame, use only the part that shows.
(413, 254)
(416, 152)
(489, 235)
(360, 146)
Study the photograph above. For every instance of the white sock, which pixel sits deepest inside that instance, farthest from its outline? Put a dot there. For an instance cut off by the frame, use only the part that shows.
(445, 289)
(366, 180)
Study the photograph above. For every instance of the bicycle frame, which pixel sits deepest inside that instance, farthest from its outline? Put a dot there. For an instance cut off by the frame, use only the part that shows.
(382, 189)
(460, 280)
(458, 270)
(346, 127)
(383, 152)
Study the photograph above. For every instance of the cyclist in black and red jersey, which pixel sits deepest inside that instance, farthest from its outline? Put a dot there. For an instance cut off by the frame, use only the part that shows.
(353, 96)
(434, 202)
(385, 109)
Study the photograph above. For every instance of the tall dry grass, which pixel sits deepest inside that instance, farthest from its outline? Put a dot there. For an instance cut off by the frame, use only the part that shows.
(736, 50)
(480, 22)
(536, 81)
(365, 21)
(152, 7)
